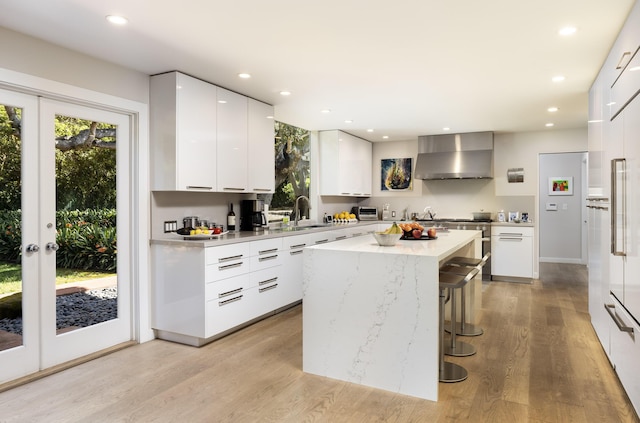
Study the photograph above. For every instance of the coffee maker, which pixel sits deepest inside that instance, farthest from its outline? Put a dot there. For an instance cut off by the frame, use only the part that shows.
(252, 217)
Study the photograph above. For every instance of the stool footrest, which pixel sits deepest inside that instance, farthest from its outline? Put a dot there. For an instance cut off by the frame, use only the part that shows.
(451, 372)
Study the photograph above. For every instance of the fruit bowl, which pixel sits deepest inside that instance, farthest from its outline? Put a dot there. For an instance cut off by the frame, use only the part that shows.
(386, 240)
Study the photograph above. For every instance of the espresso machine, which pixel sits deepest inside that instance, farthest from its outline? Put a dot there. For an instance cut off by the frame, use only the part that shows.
(252, 216)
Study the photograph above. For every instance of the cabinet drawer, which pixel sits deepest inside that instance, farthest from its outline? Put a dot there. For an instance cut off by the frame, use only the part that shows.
(227, 253)
(230, 311)
(627, 85)
(227, 269)
(227, 289)
(297, 242)
(511, 231)
(266, 277)
(266, 246)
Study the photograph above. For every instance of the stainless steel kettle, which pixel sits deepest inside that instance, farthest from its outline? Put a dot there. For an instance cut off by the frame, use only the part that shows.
(190, 221)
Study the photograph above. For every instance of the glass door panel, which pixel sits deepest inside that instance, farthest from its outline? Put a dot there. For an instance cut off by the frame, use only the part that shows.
(19, 259)
(84, 186)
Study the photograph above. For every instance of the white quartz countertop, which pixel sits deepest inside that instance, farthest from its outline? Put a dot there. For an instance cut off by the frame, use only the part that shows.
(444, 245)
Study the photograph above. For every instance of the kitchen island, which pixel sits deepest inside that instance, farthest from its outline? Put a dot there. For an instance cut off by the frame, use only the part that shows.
(370, 313)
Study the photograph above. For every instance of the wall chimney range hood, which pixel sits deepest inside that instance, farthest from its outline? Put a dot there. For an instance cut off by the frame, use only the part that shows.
(455, 156)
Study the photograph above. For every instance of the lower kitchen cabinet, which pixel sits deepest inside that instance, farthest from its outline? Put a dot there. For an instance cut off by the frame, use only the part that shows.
(512, 251)
(201, 293)
(625, 349)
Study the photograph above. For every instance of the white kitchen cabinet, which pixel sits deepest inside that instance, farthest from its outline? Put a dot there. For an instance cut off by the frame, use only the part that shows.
(512, 251)
(345, 164)
(182, 133)
(231, 164)
(594, 137)
(292, 267)
(625, 350)
(261, 155)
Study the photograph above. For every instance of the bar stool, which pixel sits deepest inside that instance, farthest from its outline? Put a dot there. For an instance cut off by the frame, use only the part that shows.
(461, 266)
(451, 372)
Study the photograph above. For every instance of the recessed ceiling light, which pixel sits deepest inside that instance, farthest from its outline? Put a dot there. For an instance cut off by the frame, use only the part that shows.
(567, 30)
(222, 101)
(325, 111)
(270, 117)
(552, 109)
(117, 20)
(369, 130)
(385, 137)
(285, 93)
(549, 124)
(348, 121)
(558, 78)
(244, 75)
(634, 69)
(595, 121)
(446, 128)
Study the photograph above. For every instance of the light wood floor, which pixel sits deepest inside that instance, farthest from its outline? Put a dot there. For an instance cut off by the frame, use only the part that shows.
(538, 361)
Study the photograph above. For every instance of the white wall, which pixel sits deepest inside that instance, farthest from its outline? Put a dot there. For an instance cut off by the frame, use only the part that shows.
(22, 53)
(562, 230)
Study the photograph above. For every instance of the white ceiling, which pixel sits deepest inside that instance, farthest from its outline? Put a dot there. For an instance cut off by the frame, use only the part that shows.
(402, 68)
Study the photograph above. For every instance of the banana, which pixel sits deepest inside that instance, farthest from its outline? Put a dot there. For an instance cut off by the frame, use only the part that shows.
(393, 229)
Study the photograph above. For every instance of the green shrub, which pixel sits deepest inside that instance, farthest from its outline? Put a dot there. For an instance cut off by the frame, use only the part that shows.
(87, 239)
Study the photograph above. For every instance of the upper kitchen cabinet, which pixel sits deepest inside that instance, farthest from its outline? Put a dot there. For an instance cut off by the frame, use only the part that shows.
(207, 138)
(345, 164)
(231, 165)
(183, 132)
(261, 155)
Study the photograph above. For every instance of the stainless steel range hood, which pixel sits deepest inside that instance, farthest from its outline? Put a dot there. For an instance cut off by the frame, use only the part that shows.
(455, 156)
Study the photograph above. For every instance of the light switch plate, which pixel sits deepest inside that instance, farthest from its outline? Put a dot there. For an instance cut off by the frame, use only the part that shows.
(552, 206)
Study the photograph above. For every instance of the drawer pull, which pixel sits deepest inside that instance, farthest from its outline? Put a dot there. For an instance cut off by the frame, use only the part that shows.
(322, 241)
(268, 258)
(197, 187)
(509, 239)
(621, 63)
(262, 189)
(229, 266)
(293, 253)
(268, 281)
(622, 327)
(267, 251)
(223, 259)
(232, 189)
(230, 300)
(297, 246)
(226, 294)
(341, 237)
(267, 288)
(510, 234)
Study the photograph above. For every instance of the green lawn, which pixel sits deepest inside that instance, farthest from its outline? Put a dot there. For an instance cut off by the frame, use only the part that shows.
(11, 278)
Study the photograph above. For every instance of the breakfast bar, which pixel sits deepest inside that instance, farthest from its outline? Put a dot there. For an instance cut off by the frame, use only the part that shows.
(370, 313)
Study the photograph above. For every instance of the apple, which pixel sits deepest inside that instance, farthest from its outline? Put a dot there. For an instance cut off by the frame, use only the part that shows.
(217, 230)
(431, 232)
(417, 233)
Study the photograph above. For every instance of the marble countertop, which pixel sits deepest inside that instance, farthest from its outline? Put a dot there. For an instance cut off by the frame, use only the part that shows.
(444, 245)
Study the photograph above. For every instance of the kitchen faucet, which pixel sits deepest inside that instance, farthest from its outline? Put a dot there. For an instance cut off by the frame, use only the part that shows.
(428, 212)
(296, 209)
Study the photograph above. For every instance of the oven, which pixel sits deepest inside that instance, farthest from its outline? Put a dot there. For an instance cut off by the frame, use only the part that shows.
(478, 225)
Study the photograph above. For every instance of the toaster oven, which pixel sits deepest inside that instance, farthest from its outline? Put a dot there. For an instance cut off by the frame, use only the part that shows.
(365, 213)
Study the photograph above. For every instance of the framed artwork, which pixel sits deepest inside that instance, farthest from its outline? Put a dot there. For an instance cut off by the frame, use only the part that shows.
(395, 175)
(561, 185)
(514, 216)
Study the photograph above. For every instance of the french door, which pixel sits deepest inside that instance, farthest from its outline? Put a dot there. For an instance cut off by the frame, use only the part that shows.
(58, 326)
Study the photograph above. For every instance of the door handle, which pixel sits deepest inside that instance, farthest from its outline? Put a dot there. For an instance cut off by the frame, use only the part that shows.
(32, 248)
(52, 246)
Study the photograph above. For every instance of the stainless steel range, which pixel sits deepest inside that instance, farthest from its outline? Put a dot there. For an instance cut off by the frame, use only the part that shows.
(478, 225)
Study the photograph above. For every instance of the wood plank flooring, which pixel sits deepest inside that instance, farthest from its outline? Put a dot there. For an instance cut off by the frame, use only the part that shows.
(538, 361)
